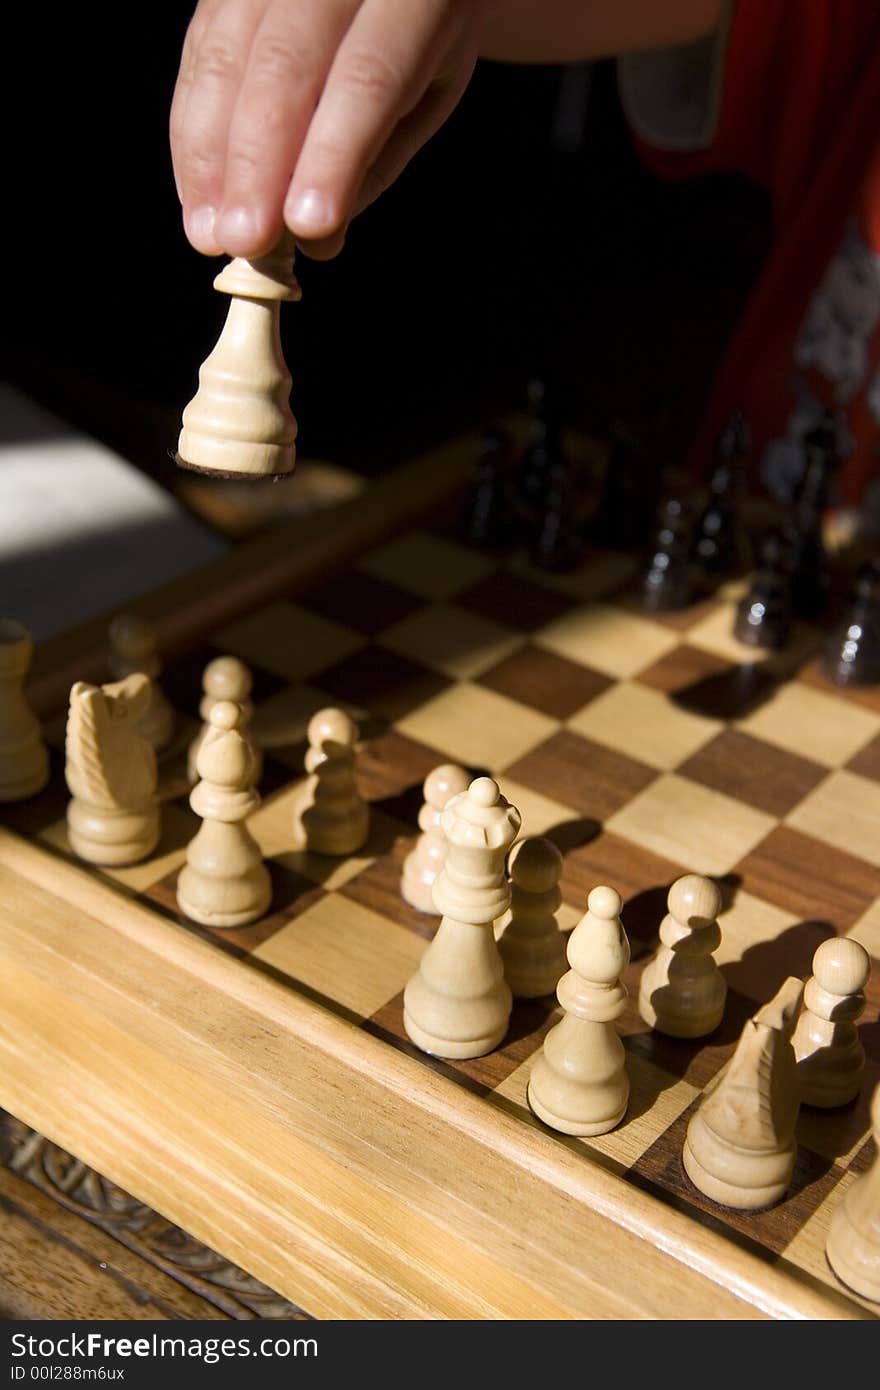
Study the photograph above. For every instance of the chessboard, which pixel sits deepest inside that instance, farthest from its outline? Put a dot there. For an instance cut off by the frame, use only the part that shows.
(256, 1085)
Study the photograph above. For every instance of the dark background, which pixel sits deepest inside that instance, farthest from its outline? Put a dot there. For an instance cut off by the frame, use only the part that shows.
(503, 253)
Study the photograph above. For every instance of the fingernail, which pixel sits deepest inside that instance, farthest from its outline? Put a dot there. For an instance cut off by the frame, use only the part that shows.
(237, 225)
(200, 225)
(310, 214)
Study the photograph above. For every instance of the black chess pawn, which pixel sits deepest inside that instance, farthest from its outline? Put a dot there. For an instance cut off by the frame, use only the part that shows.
(627, 507)
(764, 614)
(721, 543)
(668, 581)
(852, 654)
(559, 538)
(541, 455)
(488, 519)
(811, 578)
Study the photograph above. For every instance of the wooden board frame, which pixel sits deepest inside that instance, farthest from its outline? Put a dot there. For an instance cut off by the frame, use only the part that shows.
(339, 1171)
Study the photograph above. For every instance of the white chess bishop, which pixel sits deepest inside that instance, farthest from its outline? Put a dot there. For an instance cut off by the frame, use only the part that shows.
(579, 1084)
(224, 882)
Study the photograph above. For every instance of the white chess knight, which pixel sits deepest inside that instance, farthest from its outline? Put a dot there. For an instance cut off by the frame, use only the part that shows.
(110, 767)
(239, 422)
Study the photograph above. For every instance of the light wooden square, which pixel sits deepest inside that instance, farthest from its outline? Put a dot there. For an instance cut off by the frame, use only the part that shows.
(748, 922)
(601, 574)
(645, 724)
(427, 565)
(288, 640)
(608, 639)
(703, 830)
(813, 724)
(656, 1100)
(867, 930)
(452, 640)
(347, 952)
(539, 813)
(807, 1250)
(845, 811)
(478, 727)
(176, 829)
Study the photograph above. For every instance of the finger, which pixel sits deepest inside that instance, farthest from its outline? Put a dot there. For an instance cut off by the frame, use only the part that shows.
(414, 131)
(290, 57)
(381, 70)
(215, 76)
(182, 87)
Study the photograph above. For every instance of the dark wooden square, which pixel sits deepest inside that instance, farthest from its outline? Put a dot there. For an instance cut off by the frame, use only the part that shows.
(867, 761)
(593, 780)
(682, 668)
(758, 773)
(388, 685)
(546, 682)
(641, 878)
(703, 683)
(810, 878)
(363, 601)
(512, 599)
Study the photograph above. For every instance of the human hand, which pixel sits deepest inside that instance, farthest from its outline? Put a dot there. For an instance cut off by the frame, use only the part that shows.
(300, 112)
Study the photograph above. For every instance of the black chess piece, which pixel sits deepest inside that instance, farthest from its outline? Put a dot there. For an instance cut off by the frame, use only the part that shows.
(542, 454)
(721, 544)
(852, 653)
(624, 518)
(668, 581)
(764, 614)
(559, 540)
(811, 579)
(488, 519)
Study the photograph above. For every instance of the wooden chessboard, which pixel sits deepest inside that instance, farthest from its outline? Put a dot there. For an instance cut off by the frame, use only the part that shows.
(256, 1085)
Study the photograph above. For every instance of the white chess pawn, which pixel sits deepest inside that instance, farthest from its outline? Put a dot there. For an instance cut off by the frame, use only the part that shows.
(132, 650)
(531, 945)
(579, 1083)
(458, 1003)
(853, 1244)
(239, 422)
(224, 882)
(682, 991)
(830, 1056)
(426, 858)
(113, 817)
(740, 1146)
(24, 761)
(225, 678)
(331, 816)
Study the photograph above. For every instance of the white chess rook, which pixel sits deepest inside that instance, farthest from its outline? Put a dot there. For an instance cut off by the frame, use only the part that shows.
(24, 761)
(531, 945)
(224, 882)
(239, 422)
(425, 860)
(458, 1003)
(579, 1084)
